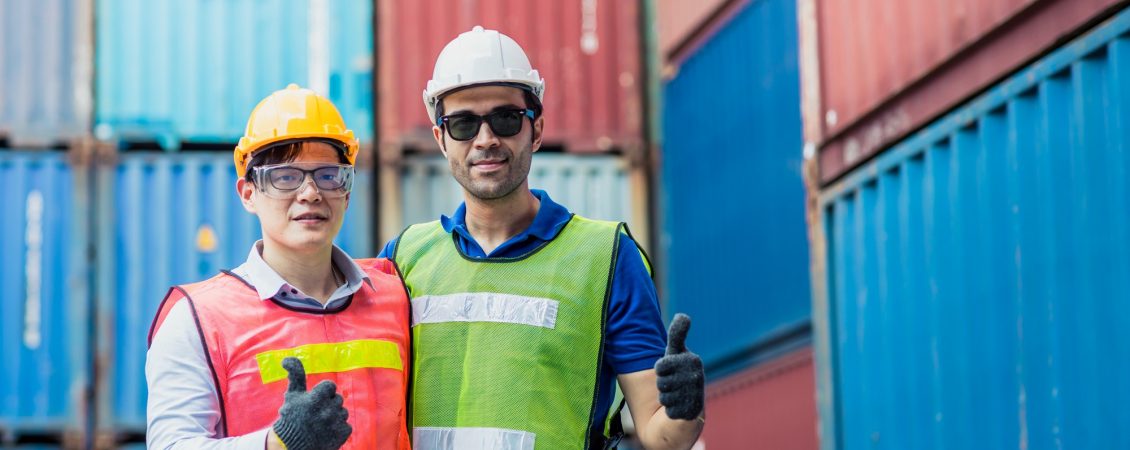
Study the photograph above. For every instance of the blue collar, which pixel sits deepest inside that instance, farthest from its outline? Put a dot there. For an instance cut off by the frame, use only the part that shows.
(551, 217)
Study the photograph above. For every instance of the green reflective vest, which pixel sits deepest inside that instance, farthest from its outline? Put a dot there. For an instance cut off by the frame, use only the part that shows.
(506, 351)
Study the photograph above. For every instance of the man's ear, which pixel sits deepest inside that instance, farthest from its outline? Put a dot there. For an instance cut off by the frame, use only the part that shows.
(437, 133)
(246, 191)
(539, 125)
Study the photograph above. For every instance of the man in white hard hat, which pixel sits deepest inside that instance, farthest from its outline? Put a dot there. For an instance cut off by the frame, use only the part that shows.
(524, 315)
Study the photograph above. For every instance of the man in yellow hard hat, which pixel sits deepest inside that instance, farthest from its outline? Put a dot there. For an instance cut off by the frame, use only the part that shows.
(524, 315)
(230, 357)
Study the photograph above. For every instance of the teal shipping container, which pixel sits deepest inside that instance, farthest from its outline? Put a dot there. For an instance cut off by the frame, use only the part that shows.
(189, 72)
(973, 292)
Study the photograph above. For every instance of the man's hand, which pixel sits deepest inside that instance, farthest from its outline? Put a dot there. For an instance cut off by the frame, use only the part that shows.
(314, 420)
(679, 374)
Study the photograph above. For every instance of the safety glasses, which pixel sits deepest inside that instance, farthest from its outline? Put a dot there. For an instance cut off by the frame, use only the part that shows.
(503, 123)
(284, 180)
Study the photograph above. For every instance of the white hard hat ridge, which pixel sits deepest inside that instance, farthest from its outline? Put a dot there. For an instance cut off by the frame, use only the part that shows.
(480, 56)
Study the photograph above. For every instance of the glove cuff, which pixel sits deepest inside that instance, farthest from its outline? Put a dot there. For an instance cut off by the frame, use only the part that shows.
(292, 437)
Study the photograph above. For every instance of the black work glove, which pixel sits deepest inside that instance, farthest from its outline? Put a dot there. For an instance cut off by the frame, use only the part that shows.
(314, 420)
(679, 374)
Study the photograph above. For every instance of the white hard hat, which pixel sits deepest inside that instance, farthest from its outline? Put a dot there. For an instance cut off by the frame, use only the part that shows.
(480, 57)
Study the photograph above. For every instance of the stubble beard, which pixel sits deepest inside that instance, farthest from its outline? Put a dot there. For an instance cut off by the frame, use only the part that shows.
(487, 189)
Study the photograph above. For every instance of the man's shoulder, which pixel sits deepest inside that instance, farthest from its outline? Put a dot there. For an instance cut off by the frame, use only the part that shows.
(415, 235)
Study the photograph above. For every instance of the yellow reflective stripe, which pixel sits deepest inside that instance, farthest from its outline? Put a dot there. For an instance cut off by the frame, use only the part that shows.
(332, 357)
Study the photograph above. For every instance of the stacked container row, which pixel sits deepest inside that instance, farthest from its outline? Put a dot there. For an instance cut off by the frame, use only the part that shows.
(734, 254)
(970, 283)
(44, 299)
(587, 51)
(100, 234)
(874, 70)
(45, 88)
(189, 73)
(87, 262)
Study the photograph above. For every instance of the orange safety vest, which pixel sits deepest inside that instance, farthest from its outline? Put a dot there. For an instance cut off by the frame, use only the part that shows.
(363, 348)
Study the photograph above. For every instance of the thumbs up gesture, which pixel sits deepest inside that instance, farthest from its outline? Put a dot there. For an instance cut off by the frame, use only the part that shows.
(314, 420)
(679, 374)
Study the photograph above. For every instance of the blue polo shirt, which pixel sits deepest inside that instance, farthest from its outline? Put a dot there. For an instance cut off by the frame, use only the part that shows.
(635, 337)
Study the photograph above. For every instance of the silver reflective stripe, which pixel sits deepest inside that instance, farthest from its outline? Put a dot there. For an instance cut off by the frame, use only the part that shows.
(433, 438)
(484, 307)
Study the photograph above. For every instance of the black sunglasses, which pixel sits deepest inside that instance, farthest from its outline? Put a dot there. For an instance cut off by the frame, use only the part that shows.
(503, 123)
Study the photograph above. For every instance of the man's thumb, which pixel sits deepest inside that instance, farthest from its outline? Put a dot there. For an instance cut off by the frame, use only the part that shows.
(295, 374)
(677, 334)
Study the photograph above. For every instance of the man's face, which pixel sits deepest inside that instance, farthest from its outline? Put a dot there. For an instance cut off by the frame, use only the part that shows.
(488, 166)
(305, 220)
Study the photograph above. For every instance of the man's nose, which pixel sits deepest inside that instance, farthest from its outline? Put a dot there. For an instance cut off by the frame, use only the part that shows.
(309, 190)
(486, 137)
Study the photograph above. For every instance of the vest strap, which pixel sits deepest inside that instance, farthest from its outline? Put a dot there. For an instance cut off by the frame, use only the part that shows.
(467, 438)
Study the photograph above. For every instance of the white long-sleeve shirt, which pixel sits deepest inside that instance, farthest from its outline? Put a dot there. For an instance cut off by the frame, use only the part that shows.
(183, 411)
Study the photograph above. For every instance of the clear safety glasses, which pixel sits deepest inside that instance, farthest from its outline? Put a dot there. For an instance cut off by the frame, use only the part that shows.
(285, 180)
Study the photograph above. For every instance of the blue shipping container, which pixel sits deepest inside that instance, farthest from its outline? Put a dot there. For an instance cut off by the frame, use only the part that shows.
(44, 82)
(192, 71)
(44, 299)
(977, 292)
(174, 218)
(733, 235)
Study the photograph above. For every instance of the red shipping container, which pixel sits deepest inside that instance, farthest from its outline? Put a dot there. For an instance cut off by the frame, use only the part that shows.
(680, 22)
(588, 52)
(771, 405)
(875, 70)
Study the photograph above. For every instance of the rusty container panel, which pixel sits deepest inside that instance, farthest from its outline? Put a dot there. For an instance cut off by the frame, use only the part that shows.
(588, 52)
(886, 68)
(770, 405)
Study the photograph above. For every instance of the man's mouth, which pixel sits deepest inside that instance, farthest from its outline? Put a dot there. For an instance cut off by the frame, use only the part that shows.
(489, 164)
(309, 217)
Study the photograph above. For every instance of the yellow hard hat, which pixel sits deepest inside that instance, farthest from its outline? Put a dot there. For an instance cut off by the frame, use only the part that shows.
(289, 114)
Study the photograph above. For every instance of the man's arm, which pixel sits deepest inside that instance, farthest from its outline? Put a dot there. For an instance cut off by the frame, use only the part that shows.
(184, 410)
(670, 398)
(637, 344)
(183, 407)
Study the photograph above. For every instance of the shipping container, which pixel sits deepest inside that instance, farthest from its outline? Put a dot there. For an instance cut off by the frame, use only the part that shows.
(45, 96)
(587, 51)
(734, 250)
(190, 72)
(916, 60)
(680, 21)
(770, 405)
(174, 218)
(973, 289)
(594, 186)
(44, 298)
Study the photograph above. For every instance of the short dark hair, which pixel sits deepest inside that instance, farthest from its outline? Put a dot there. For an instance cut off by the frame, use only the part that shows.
(285, 152)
